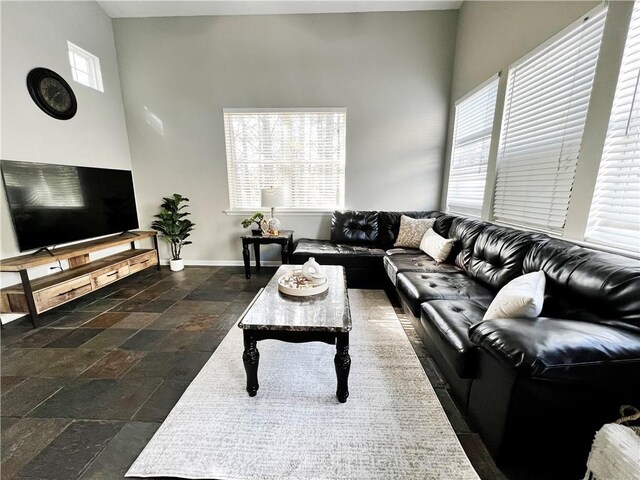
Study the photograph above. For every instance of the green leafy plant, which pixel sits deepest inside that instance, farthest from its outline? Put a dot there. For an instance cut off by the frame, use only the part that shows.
(255, 218)
(173, 225)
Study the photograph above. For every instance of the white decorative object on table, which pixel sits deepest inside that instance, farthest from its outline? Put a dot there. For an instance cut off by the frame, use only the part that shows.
(301, 283)
(272, 198)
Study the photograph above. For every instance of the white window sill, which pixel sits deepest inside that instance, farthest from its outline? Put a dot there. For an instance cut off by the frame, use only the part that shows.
(281, 212)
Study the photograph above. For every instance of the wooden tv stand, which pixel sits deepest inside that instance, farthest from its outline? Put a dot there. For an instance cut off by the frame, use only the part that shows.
(83, 275)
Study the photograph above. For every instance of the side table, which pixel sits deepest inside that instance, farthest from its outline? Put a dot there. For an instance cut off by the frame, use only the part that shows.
(284, 239)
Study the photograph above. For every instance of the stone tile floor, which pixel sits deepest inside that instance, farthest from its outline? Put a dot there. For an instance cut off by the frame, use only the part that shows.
(83, 394)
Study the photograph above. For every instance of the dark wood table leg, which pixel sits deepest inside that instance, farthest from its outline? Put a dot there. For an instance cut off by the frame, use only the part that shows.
(250, 358)
(256, 251)
(28, 293)
(285, 252)
(155, 245)
(342, 361)
(245, 257)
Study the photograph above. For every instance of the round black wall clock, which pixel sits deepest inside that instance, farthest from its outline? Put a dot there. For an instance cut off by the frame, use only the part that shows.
(52, 93)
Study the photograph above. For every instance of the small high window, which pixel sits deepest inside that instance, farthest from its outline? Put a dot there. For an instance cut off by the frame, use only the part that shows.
(85, 67)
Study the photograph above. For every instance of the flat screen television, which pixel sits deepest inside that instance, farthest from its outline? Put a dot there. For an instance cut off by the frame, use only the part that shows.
(53, 204)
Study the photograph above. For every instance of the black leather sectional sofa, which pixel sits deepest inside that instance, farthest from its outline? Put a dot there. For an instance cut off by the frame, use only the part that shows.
(535, 389)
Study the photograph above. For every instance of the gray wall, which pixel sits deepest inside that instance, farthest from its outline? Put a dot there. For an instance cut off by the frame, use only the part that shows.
(493, 35)
(35, 34)
(391, 70)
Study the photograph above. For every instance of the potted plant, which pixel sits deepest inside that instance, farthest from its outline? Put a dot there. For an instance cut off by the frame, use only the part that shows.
(255, 218)
(174, 227)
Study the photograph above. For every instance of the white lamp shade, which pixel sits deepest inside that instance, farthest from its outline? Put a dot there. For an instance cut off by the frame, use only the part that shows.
(272, 197)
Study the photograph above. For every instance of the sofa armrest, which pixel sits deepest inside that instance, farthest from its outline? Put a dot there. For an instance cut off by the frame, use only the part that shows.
(566, 351)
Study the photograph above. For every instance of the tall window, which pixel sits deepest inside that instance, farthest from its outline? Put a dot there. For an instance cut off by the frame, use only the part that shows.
(546, 104)
(470, 151)
(614, 218)
(85, 67)
(300, 151)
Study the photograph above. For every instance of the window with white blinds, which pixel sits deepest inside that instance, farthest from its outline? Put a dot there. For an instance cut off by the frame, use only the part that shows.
(301, 152)
(614, 218)
(546, 104)
(470, 150)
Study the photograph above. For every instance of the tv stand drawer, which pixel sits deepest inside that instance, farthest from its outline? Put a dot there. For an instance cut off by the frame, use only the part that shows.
(142, 261)
(109, 274)
(62, 293)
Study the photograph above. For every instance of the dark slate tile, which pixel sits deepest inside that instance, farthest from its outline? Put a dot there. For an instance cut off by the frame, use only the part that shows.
(131, 305)
(47, 362)
(235, 308)
(74, 319)
(453, 414)
(433, 372)
(40, 337)
(213, 295)
(181, 366)
(106, 320)
(6, 423)
(121, 452)
(137, 321)
(480, 458)
(161, 402)
(114, 365)
(109, 339)
(25, 439)
(178, 340)
(75, 338)
(8, 383)
(197, 307)
(28, 395)
(175, 294)
(208, 341)
(72, 451)
(226, 321)
(144, 340)
(15, 331)
(101, 305)
(109, 399)
(156, 306)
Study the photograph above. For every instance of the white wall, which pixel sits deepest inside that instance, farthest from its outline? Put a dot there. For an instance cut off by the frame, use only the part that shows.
(391, 70)
(35, 34)
(493, 35)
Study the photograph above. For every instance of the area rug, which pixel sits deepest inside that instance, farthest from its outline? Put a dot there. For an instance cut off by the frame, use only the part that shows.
(392, 425)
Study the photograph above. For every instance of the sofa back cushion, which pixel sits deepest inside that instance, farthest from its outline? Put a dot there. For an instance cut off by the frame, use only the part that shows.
(498, 255)
(465, 232)
(584, 284)
(389, 225)
(352, 227)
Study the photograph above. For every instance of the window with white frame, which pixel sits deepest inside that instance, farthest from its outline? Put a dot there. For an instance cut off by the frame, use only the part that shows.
(614, 218)
(470, 150)
(545, 110)
(85, 67)
(301, 151)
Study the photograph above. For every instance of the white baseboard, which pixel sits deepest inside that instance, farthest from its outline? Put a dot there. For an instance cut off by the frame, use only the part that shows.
(225, 263)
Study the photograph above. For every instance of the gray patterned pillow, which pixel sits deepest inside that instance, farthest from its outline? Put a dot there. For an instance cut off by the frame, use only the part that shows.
(412, 230)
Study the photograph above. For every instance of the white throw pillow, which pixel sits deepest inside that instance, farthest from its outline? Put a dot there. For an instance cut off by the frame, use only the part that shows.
(521, 297)
(435, 246)
(412, 230)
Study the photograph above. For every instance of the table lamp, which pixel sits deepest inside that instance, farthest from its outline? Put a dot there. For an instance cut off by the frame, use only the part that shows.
(271, 198)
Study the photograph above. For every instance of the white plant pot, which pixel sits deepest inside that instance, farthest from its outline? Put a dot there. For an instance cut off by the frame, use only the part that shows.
(176, 265)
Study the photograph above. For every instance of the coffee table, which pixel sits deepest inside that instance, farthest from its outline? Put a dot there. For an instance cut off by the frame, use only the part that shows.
(319, 318)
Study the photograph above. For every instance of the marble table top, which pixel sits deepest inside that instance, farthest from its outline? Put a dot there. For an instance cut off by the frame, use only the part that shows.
(283, 234)
(325, 312)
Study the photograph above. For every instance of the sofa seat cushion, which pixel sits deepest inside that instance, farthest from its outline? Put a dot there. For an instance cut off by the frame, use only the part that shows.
(448, 322)
(566, 351)
(327, 253)
(417, 287)
(394, 264)
(404, 251)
